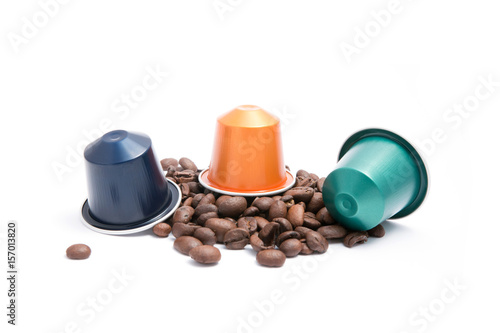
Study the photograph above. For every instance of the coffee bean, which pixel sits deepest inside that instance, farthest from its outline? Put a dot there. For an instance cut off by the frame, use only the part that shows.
(248, 223)
(171, 170)
(261, 222)
(277, 209)
(185, 176)
(302, 231)
(324, 217)
(205, 254)
(195, 187)
(301, 194)
(188, 202)
(305, 249)
(184, 229)
(221, 199)
(287, 235)
(316, 242)
(187, 164)
(296, 215)
(378, 231)
(233, 207)
(302, 173)
(316, 203)
(203, 218)
(78, 251)
(333, 231)
(304, 182)
(183, 214)
(166, 162)
(311, 223)
(257, 243)
(184, 244)
(269, 233)
(358, 237)
(271, 258)
(207, 199)
(277, 197)
(220, 227)
(202, 209)
(236, 239)
(196, 199)
(251, 211)
(291, 247)
(320, 183)
(288, 200)
(285, 225)
(314, 176)
(185, 189)
(205, 235)
(263, 204)
(162, 229)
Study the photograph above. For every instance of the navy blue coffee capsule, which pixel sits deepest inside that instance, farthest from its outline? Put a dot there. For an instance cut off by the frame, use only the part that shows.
(127, 190)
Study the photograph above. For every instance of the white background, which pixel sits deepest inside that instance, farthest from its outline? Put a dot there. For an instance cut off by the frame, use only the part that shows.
(285, 56)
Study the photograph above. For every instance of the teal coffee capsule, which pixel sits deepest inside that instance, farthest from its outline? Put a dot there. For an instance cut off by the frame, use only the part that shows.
(379, 176)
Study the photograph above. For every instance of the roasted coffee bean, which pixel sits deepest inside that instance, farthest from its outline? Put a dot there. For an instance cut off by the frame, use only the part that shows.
(314, 176)
(303, 204)
(196, 199)
(302, 173)
(324, 217)
(183, 214)
(277, 197)
(221, 199)
(301, 194)
(202, 209)
(263, 204)
(277, 209)
(171, 170)
(208, 199)
(187, 164)
(316, 242)
(251, 211)
(184, 244)
(205, 217)
(291, 247)
(184, 229)
(166, 162)
(269, 233)
(304, 182)
(296, 215)
(357, 237)
(285, 225)
(205, 235)
(162, 229)
(288, 200)
(287, 235)
(316, 203)
(236, 239)
(257, 243)
(378, 231)
(188, 202)
(305, 249)
(233, 207)
(261, 222)
(310, 214)
(78, 251)
(220, 227)
(205, 254)
(248, 223)
(302, 231)
(271, 258)
(333, 231)
(185, 190)
(311, 223)
(185, 176)
(320, 183)
(195, 187)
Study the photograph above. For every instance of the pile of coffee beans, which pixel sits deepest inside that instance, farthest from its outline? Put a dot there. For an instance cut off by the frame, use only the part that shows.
(278, 227)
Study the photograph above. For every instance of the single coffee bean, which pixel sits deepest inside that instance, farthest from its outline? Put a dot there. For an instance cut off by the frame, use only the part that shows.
(271, 258)
(320, 183)
(187, 164)
(333, 231)
(188, 202)
(277, 209)
(305, 249)
(166, 162)
(205, 235)
(291, 247)
(207, 199)
(287, 235)
(378, 231)
(220, 227)
(261, 222)
(314, 176)
(324, 217)
(183, 214)
(78, 251)
(269, 233)
(277, 197)
(221, 199)
(357, 237)
(233, 207)
(185, 190)
(311, 223)
(206, 208)
(205, 254)
(301, 194)
(184, 229)
(302, 231)
(310, 215)
(251, 211)
(171, 170)
(304, 182)
(184, 244)
(236, 239)
(196, 199)
(316, 203)
(302, 173)
(248, 223)
(195, 187)
(203, 218)
(285, 225)
(257, 243)
(162, 229)
(185, 176)
(316, 242)
(263, 204)
(296, 215)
